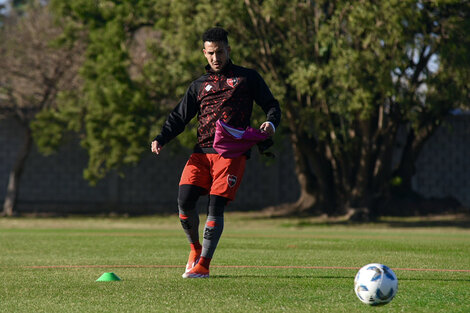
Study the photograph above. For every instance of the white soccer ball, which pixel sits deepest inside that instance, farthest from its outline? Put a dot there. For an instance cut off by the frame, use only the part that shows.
(375, 284)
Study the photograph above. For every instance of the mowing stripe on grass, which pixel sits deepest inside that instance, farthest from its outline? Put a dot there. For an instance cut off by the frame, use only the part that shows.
(243, 266)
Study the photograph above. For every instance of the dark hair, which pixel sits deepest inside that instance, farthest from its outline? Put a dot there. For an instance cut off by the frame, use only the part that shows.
(215, 34)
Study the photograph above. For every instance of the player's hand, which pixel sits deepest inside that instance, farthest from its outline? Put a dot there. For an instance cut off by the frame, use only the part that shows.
(267, 128)
(156, 147)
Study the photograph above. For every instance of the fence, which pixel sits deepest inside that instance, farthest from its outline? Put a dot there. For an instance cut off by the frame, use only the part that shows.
(55, 183)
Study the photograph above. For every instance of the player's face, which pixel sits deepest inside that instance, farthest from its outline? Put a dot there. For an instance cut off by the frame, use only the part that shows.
(217, 54)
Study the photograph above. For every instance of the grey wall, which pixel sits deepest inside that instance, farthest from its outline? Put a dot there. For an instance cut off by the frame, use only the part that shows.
(443, 168)
(56, 183)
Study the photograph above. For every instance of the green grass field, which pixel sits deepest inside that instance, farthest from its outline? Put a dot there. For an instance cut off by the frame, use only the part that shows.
(261, 265)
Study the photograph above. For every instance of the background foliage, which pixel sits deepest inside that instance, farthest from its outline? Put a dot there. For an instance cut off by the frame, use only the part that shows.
(350, 77)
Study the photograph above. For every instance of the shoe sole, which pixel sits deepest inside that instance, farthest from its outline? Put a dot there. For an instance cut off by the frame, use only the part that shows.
(194, 275)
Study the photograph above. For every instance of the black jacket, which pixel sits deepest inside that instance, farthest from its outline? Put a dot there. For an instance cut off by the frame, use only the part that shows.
(227, 95)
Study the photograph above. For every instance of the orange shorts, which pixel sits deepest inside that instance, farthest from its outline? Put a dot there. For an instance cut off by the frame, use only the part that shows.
(218, 175)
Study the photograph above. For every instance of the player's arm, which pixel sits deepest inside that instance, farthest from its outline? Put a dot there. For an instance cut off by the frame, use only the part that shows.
(265, 99)
(177, 120)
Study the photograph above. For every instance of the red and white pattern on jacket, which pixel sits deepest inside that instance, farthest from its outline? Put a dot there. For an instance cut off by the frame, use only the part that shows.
(226, 97)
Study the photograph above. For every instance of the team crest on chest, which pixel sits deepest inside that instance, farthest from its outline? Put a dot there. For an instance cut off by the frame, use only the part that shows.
(231, 180)
(232, 82)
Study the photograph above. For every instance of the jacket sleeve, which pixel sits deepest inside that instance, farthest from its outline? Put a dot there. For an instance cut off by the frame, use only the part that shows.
(265, 99)
(181, 115)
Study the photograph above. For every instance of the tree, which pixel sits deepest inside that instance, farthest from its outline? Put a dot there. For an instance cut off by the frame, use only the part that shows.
(349, 77)
(367, 70)
(115, 107)
(32, 72)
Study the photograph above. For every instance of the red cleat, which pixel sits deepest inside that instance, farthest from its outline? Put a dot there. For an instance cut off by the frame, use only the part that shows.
(193, 259)
(197, 271)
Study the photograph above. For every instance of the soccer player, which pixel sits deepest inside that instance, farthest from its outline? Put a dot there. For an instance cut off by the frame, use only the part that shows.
(226, 91)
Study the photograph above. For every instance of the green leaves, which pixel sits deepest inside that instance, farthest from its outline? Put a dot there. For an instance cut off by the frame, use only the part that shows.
(115, 110)
(305, 77)
(346, 72)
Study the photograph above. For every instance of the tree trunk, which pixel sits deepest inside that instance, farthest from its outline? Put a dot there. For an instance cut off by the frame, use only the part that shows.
(414, 144)
(15, 175)
(317, 192)
(306, 179)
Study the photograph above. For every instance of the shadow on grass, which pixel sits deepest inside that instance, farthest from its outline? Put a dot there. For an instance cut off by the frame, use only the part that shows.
(457, 279)
(459, 224)
(435, 279)
(279, 276)
(456, 221)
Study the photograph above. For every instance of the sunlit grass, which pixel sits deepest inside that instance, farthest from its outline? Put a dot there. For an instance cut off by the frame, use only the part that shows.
(261, 265)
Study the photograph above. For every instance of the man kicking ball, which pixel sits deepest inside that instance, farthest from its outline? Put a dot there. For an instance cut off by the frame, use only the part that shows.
(226, 92)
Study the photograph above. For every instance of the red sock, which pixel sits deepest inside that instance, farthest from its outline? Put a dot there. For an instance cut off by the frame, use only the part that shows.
(205, 262)
(196, 246)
